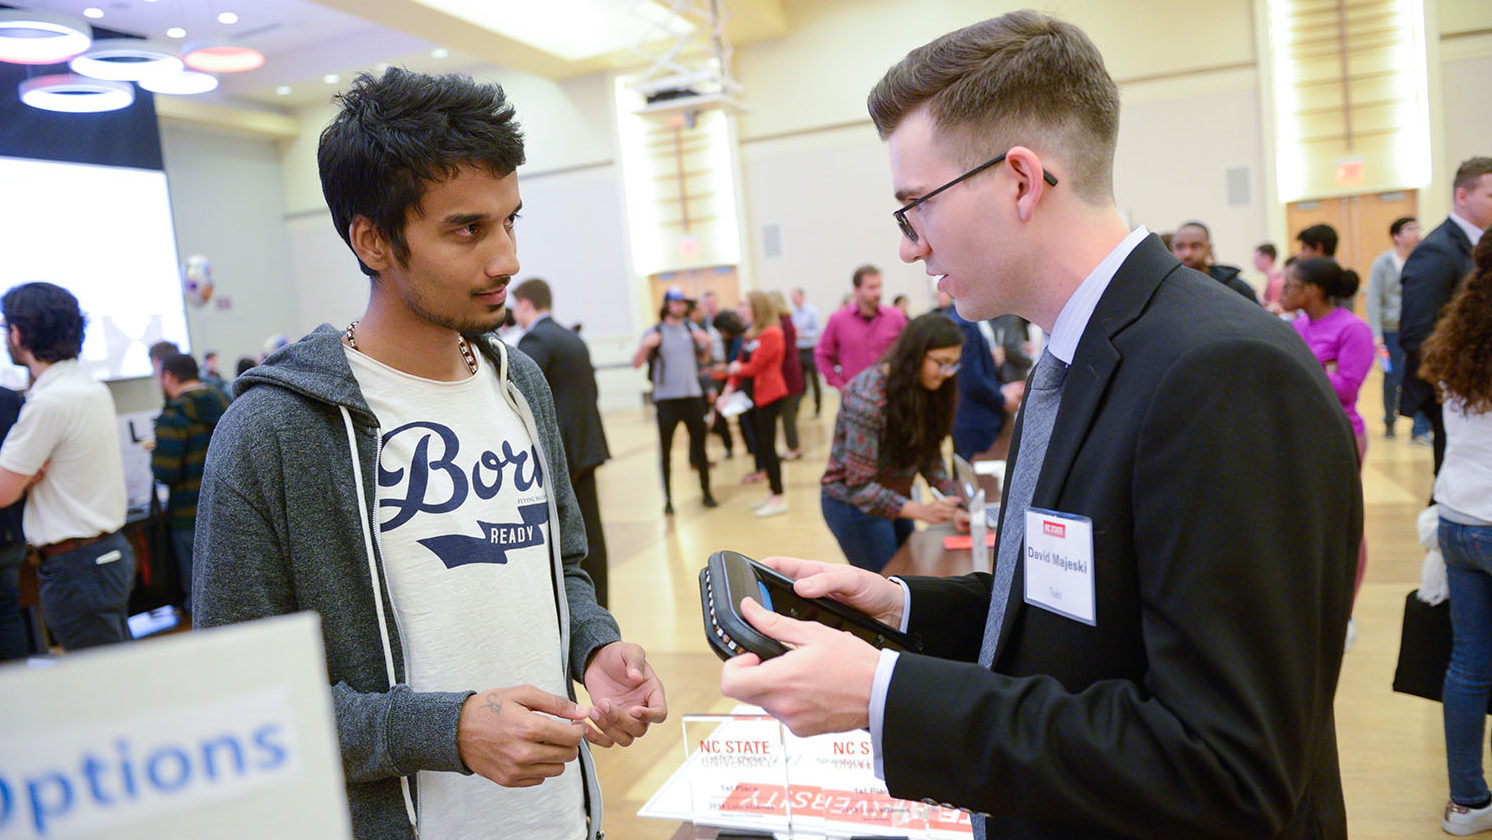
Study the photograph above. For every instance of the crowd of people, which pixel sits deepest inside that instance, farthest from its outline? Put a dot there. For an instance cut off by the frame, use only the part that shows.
(347, 473)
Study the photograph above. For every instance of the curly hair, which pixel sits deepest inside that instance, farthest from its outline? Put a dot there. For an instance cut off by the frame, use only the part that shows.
(1458, 354)
(917, 419)
(48, 318)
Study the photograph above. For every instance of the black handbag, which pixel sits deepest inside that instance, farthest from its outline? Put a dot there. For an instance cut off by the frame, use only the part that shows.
(1424, 649)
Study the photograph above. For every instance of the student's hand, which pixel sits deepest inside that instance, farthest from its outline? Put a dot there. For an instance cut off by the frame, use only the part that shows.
(822, 684)
(866, 591)
(935, 512)
(961, 521)
(508, 735)
(733, 368)
(998, 354)
(1013, 392)
(627, 695)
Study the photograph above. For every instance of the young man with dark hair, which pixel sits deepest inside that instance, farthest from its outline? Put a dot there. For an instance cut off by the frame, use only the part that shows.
(63, 454)
(1150, 658)
(1383, 301)
(159, 352)
(856, 336)
(566, 363)
(1432, 273)
(404, 478)
(182, 432)
(1192, 245)
(1317, 241)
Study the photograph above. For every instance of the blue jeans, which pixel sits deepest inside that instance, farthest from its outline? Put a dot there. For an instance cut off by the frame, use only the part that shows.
(15, 639)
(85, 593)
(868, 541)
(1468, 678)
(181, 545)
(1392, 377)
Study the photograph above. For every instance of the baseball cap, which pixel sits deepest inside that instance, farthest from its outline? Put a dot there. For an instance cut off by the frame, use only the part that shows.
(675, 293)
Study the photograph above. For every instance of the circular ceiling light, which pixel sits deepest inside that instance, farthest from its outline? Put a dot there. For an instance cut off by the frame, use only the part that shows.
(227, 18)
(184, 83)
(75, 94)
(221, 57)
(175, 32)
(125, 60)
(41, 37)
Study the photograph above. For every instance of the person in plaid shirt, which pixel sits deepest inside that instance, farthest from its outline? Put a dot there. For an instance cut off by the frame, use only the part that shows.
(182, 432)
(892, 420)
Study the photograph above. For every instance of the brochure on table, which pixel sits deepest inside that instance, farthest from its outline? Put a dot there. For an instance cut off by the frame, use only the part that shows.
(747, 771)
(225, 733)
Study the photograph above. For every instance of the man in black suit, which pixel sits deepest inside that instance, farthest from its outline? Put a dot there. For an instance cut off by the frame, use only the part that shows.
(1432, 272)
(566, 363)
(1156, 654)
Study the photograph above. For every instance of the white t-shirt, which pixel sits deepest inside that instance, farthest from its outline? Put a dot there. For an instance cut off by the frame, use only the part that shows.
(1465, 481)
(68, 425)
(463, 528)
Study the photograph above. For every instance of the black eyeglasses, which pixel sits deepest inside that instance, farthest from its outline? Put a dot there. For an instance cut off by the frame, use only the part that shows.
(901, 215)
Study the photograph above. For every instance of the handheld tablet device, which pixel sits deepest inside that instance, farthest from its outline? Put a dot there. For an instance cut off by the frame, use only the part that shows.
(729, 577)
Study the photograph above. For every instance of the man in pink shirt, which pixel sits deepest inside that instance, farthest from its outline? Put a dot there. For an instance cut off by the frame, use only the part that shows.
(857, 335)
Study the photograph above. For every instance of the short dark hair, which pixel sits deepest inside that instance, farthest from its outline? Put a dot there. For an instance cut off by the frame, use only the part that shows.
(535, 291)
(1268, 250)
(48, 318)
(244, 364)
(398, 134)
(1327, 273)
(181, 366)
(1193, 223)
(1470, 170)
(162, 350)
(1023, 78)
(1398, 225)
(861, 272)
(1321, 236)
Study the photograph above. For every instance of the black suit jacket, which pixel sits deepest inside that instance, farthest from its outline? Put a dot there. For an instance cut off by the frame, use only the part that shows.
(1202, 438)
(566, 363)
(1433, 271)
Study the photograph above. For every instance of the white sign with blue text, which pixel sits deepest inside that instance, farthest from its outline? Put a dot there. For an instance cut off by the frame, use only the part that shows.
(225, 734)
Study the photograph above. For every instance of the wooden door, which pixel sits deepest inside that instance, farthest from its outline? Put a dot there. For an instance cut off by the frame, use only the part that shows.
(1361, 221)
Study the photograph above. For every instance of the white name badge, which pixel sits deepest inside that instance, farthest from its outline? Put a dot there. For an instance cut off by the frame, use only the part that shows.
(1059, 564)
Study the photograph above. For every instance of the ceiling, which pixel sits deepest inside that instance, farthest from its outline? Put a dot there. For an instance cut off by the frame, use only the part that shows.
(306, 42)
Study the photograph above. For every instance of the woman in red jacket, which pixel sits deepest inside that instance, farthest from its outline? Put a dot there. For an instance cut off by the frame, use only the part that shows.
(768, 388)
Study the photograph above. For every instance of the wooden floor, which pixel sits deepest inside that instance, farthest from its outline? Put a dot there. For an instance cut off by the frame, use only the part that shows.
(1391, 745)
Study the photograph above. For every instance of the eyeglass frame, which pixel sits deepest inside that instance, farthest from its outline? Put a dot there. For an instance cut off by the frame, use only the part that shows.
(900, 215)
(947, 368)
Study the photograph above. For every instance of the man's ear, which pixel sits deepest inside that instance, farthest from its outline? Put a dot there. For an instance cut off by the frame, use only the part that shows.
(1032, 187)
(370, 245)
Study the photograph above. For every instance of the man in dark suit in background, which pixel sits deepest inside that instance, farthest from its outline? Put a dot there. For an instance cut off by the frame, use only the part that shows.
(1432, 272)
(1157, 651)
(566, 363)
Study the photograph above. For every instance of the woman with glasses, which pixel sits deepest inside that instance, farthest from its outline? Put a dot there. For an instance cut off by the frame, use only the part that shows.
(892, 420)
(1341, 341)
(1458, 356)
(767, 347)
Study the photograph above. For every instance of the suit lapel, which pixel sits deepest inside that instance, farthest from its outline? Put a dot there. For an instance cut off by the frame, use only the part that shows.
(1093, 366)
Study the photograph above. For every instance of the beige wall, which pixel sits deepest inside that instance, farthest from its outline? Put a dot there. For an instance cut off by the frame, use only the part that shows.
(812, 165)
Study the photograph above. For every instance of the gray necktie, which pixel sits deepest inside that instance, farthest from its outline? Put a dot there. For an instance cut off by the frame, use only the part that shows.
(1039, 411)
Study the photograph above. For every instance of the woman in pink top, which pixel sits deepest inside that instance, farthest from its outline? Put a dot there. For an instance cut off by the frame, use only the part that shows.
(1342, 342)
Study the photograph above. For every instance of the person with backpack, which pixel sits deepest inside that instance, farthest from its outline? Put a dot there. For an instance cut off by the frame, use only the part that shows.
(671, 350)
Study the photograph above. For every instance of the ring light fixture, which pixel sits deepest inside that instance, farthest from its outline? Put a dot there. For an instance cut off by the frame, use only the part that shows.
(221, 57)
(32, 37)
(125, 60)
(74, 94)
(180, 84)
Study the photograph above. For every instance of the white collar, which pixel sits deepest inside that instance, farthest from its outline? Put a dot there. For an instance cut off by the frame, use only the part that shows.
(1075, 314)
(1472, 232)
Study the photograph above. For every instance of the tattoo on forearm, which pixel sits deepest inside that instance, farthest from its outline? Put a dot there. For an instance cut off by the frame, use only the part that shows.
(494, 705)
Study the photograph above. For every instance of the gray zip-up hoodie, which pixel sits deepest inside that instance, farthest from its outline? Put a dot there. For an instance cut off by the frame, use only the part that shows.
(286, 523)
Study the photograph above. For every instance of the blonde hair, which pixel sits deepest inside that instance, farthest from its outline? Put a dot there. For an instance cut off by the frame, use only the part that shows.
(764, 313)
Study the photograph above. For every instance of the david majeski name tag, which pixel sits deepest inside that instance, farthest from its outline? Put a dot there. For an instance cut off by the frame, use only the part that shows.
(1059, 564)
